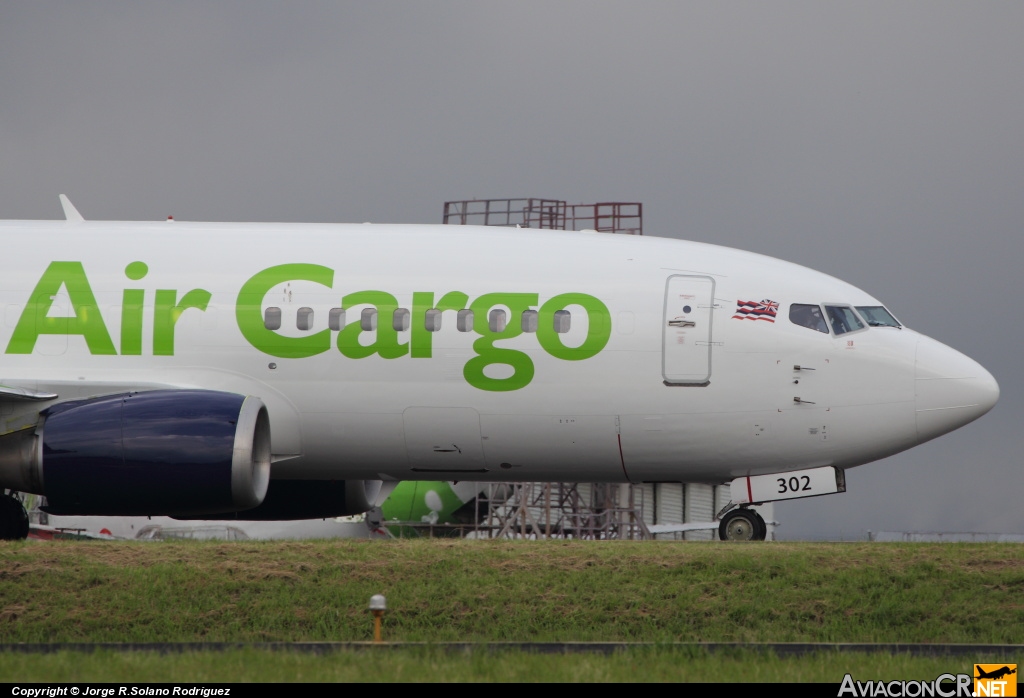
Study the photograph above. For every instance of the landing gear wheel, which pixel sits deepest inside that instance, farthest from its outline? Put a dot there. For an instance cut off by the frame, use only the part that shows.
(742, 524)
(13, 518)
(762, 528)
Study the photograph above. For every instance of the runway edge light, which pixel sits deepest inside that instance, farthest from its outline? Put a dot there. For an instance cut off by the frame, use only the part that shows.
(378, 604)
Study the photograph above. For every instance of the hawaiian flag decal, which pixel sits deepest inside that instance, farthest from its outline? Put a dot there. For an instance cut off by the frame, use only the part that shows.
(752, 310)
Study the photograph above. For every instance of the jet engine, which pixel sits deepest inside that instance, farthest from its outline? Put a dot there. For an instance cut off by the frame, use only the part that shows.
(184, 453)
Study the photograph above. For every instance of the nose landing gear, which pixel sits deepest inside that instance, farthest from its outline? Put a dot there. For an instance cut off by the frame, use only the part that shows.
(746, 524)
(742, 524)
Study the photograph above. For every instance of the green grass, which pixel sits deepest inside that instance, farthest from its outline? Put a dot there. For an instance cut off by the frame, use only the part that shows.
(522, 591)
(433, 665)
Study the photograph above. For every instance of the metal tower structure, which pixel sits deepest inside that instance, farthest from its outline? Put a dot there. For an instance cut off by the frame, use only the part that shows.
(542, 510)
(552, 214)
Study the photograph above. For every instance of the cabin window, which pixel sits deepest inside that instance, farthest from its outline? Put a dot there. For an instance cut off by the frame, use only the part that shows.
(497, 320)
(336, 319)
(877, 316)
(400, 320)
(529, 321)
(304, 319)
(368, 319)
(464, 320)
(843, 319)
(432, 320)
(807, 315)
(563, 321)
(272, 318)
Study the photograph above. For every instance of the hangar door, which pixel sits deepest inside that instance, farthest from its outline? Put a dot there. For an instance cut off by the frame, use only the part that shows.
(686, 330)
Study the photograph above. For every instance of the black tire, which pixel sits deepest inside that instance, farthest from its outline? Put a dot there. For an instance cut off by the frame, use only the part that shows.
(742, 524)
(762, 528)
(13, 519)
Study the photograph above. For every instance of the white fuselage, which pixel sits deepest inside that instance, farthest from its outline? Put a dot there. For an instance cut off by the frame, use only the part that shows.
(613, 398)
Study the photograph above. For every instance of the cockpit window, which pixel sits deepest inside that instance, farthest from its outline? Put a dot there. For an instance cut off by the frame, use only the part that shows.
(843, 319)
(807, 315)
(877, 316)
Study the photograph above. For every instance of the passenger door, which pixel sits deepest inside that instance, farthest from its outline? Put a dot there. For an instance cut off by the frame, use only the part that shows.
(686, 329)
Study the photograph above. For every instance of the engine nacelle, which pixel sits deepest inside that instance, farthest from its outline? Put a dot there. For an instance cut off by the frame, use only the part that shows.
(167, 452)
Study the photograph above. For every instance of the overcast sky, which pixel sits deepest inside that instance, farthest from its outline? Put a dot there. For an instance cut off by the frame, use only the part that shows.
(880, 142)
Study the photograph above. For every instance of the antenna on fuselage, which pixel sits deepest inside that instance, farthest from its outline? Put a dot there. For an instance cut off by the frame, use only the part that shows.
(70, 212)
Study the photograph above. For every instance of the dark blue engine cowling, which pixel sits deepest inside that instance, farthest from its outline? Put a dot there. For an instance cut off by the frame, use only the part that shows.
(166, 452)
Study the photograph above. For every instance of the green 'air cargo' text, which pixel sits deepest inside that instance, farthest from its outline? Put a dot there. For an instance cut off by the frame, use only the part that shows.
(400, 331)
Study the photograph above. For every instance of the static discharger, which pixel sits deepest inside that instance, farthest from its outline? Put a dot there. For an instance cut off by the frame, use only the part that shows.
(378, 604)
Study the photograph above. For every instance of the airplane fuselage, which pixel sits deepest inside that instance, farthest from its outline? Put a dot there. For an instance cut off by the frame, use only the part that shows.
(615, 358)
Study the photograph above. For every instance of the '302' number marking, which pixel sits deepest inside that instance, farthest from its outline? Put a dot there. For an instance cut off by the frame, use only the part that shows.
(793, 484)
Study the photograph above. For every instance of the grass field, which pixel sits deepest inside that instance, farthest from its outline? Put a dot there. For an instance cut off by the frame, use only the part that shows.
(482, 590)
(427, 665)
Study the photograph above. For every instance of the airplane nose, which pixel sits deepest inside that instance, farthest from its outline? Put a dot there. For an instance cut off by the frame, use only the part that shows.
(951, 389)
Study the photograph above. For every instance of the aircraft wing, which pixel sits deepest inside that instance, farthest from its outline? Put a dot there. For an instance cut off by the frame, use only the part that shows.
(18, 394)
